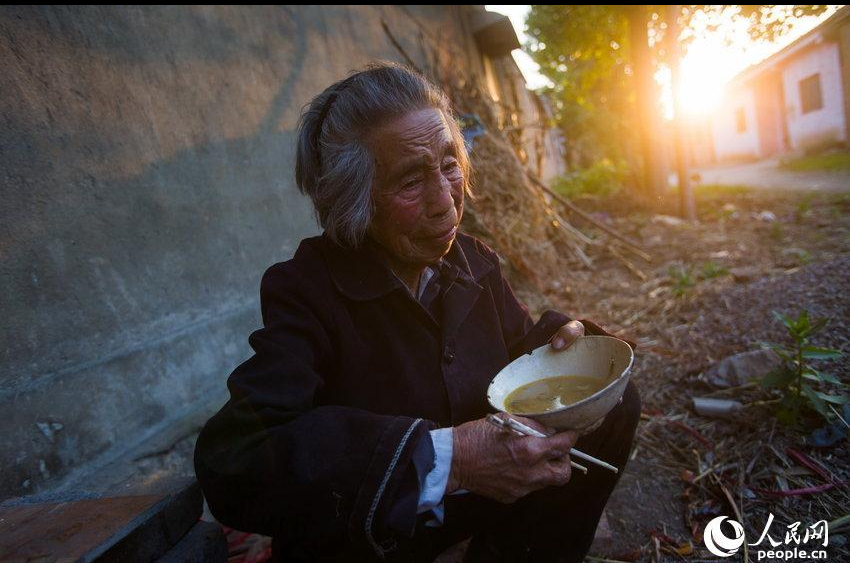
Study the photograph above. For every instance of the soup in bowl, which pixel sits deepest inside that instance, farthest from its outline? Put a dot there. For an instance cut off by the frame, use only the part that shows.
(570, 389)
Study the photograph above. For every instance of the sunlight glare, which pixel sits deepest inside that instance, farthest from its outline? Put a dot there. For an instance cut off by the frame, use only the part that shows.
(721, 47)
(702, 82)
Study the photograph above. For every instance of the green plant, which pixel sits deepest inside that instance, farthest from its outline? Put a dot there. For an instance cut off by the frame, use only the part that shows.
(796, 377)
(682, 280)
(603, 178)
(717, 191)
(838, 161)
(713, 270)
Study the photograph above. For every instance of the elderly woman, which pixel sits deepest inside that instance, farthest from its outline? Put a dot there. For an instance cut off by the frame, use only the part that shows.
(357, 429)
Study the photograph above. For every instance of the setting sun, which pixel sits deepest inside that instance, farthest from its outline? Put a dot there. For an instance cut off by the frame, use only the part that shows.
(720, 48)
(702, 82)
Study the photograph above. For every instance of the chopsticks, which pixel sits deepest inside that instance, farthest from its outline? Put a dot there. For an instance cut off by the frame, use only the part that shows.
(520, 428)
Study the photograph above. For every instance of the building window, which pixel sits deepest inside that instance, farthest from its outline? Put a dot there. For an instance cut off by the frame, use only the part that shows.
(810, 94)
(740, 120)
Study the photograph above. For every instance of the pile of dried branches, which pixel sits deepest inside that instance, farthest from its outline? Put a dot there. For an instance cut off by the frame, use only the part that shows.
(508, 211)
(528, 224)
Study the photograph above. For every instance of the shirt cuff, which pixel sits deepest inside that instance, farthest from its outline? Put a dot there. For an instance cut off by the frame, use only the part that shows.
(434, 488)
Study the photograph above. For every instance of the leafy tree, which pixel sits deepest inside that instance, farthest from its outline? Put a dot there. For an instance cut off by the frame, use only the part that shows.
(584, 51)
(601, 60)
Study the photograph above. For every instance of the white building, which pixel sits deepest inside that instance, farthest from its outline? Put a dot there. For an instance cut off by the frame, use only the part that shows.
(794, 100)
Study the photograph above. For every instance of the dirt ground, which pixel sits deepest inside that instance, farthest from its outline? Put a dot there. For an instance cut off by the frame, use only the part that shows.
(708, 293)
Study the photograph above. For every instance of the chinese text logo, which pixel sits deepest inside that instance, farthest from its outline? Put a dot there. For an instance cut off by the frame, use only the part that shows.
(722, 545)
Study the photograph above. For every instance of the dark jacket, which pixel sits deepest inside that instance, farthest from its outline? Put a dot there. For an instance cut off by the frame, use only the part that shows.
(349, 374)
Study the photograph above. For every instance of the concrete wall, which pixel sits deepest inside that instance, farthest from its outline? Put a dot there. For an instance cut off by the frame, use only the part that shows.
(524, 117)
(729, 143)
(146, 180)
(826, 125)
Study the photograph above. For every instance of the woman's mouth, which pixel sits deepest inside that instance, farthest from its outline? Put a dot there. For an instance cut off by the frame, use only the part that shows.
(446, 236)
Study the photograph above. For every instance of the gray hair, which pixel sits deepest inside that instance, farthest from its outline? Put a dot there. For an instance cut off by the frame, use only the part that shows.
(333, 165)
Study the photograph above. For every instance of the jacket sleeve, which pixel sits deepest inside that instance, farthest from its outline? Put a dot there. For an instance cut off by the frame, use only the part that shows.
(521, 333)
(271, 461)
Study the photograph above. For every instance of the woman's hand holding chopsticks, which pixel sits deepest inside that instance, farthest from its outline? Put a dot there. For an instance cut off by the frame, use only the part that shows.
(505, 466)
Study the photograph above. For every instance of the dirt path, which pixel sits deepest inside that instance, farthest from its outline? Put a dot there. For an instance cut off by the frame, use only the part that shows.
(766, 174)
(689, 312)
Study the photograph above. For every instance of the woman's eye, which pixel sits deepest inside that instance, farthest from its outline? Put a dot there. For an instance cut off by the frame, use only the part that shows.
(410, 185)
(451, 168)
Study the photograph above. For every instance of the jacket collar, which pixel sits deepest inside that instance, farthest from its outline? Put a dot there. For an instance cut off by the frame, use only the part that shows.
(361, 273)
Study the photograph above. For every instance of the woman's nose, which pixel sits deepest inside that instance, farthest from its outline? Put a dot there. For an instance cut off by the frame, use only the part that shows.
(441, 199)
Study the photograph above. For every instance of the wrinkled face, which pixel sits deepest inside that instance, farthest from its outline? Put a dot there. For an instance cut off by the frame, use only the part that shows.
(418, 190)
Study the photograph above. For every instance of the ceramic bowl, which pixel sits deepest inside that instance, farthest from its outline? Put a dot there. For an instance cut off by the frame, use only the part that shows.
(603, 357)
